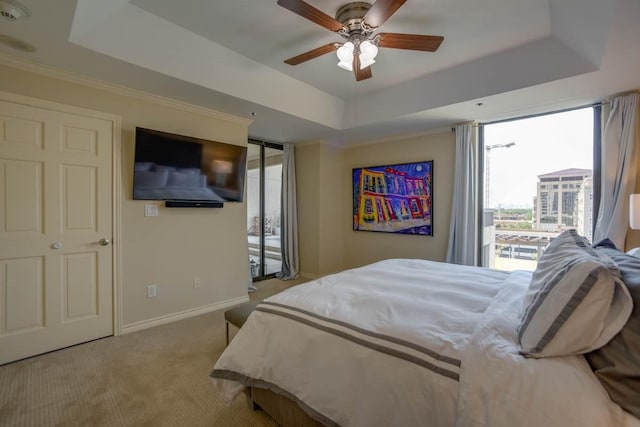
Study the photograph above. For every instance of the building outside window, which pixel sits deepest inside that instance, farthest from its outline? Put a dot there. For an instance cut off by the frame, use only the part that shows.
(536, 187)
(576, 186)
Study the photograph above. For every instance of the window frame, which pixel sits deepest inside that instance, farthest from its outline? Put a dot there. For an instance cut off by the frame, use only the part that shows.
(596, 175)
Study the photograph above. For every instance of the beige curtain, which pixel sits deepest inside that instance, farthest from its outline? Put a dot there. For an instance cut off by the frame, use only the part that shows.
(463, 228)
(619, 169)
(289, 217)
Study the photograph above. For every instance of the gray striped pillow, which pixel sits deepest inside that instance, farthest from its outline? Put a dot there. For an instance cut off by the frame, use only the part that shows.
(576, 301)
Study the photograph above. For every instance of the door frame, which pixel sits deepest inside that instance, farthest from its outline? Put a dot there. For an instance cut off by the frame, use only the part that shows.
(116, 190)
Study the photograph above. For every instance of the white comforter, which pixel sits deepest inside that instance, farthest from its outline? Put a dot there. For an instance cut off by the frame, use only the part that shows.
(407, 343)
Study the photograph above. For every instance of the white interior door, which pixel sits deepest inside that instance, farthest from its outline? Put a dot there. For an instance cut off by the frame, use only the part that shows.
(56, 282)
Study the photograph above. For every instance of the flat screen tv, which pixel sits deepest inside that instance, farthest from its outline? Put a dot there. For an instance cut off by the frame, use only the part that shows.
(182, 168)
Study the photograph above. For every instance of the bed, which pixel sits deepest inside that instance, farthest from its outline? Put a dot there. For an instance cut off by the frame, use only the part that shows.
(406, 342)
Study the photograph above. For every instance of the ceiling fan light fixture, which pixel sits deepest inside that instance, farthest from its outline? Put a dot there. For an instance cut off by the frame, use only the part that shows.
(345, 55)
(357, 23)
(368, 49)
(345, 65)
(368, 52)
(366, 62)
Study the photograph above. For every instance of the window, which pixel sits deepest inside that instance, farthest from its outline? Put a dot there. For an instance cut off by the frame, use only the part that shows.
(264, 186)
(537, 183)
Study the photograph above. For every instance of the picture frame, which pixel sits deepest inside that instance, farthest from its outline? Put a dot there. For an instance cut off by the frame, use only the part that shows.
(395, 198)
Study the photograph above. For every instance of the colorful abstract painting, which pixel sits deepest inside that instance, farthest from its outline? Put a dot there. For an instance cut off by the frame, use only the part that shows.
(394, 198)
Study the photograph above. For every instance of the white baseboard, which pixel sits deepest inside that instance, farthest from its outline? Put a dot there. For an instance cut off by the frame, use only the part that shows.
(162, 320)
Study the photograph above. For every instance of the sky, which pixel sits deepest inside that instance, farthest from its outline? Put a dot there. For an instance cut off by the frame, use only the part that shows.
(543, 144)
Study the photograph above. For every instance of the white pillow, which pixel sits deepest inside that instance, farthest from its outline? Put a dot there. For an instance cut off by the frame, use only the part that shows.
(576, 300)
(186, 180)
(634, 252)
(192, 171)
(150, 179)
(164, 168)
(142, 166)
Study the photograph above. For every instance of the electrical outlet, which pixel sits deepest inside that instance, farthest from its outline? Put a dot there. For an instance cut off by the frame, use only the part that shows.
(196, 283)
(152, 291)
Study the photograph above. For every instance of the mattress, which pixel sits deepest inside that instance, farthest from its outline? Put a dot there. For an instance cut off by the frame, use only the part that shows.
(410, 342)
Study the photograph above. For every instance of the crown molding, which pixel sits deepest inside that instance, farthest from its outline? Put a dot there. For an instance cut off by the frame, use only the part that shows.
(401, 137)
(60, 74)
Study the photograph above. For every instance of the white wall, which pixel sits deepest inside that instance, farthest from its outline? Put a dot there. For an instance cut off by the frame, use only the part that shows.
(325, 205)
(361, 247)
(180, 244)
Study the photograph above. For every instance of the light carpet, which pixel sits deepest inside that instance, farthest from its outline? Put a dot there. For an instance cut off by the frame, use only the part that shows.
(155, 377)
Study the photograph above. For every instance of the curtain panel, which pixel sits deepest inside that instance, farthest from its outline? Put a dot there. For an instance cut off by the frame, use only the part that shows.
(619, 169)
(463, 228)
(289, 216)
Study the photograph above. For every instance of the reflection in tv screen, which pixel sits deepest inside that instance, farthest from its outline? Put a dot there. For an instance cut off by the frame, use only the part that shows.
(176, 167)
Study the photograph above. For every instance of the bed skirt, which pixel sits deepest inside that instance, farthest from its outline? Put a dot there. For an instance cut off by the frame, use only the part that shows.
(284, 411)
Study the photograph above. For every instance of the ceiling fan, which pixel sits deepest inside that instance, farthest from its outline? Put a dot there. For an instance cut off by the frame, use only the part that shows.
(357, 22)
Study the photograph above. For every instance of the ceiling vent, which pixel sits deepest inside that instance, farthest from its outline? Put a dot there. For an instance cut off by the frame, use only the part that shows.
(12, 10)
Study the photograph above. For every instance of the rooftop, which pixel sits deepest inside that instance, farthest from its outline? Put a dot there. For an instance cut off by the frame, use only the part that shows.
(566, 172)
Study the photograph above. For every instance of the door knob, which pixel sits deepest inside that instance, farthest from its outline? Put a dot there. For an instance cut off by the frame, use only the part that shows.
(104, 242)
(56, 245)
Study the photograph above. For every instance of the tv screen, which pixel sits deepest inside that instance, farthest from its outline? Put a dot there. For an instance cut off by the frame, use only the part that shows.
(177, 167)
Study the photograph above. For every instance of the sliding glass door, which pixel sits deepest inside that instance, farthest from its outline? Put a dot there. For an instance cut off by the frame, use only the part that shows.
(264, 186)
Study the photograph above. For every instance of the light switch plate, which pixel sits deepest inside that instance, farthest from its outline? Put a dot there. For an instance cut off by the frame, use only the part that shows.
(150, 210)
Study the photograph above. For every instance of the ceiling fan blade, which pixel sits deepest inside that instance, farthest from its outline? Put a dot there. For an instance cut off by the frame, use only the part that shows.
(319, 51)
(381, 11)
(410, 41)
(363, 74)
(309, 12)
